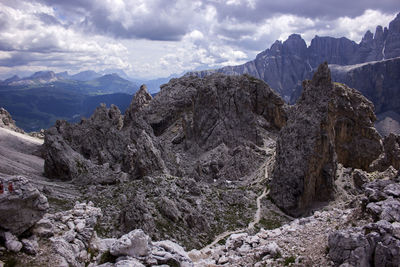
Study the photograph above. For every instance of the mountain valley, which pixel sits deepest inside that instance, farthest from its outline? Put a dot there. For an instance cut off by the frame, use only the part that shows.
(163, 168)
(291, 159)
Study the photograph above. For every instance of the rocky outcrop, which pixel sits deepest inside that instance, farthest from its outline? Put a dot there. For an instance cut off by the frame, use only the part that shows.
(390, 155)
(190, 120)
(377, 243)
(22, 206)
(330, 123)
(136, 248)
(378, 81)
(7, 122)
(86, 152)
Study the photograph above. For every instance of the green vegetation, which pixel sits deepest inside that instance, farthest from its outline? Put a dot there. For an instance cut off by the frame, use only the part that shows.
(270, 223)
(35, 108)
(59, 204)
(278, 255)
(289, 260)
(11, 262)
(107, 257)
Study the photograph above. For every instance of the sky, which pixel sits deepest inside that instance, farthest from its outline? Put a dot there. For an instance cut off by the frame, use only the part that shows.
(156, 38)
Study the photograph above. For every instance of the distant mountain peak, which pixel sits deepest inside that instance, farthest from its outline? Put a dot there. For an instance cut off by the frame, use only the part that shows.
(86, 75)
(285, 64)
(43, 75)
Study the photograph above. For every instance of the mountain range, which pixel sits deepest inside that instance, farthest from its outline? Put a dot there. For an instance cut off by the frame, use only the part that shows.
(213, 171)
(286, 64)
(371, 66)
(37, 101)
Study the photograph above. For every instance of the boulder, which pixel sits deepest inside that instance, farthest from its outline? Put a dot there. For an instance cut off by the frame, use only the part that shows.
(134, 244)
(43, 228)
(12, 243)
(331, 123)
(374, 245)
(350, 246)
(21, 208)
(30, 247)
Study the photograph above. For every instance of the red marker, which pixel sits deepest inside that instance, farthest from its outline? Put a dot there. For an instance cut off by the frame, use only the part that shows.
(10, 187)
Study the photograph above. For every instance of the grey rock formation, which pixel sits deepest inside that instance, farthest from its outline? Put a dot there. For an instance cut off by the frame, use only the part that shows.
(171, 154)
(390, 155)
(134, 244)
(81, 152)
(350, 246)
(7, 122)
(392, 44)
(333, 50)
(330, 123)
(137, 247)
(202, 121)
(21, 208)
(74, 241)
(12, 243)
(375, 244)
(192, 118)
(43, 228)
(378, 81)
(30, 247)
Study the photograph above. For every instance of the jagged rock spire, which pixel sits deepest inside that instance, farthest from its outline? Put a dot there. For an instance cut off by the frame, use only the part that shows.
(141, 99)
(330, 124)
(322, 77)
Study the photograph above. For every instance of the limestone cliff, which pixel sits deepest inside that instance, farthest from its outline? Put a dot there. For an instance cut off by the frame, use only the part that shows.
(330, 123)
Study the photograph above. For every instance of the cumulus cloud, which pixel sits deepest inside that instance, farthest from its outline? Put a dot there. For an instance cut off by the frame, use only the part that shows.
(35, 38)
(153, 38)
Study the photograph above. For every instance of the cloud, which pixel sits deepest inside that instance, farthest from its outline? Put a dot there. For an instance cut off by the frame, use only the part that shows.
(258, 10)
(153, 38)
(35, 38)
(130, 19)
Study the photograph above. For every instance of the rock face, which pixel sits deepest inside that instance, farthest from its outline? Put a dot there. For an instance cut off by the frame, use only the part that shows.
(192, 118)
(284, 65)
(168, 156)
(291, 56)
(22, 207)
(330, 123)
(377, 243)
(390, 155)
(378, 81)
(333, 50)
(86, 152)
(7, 122)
